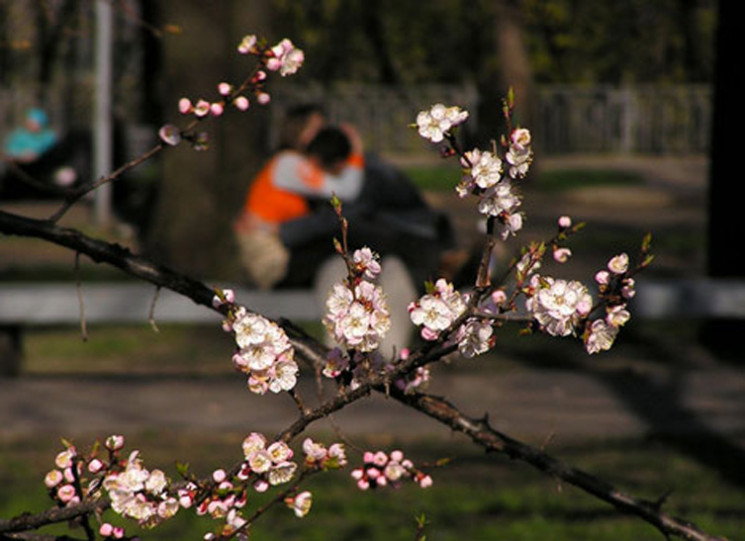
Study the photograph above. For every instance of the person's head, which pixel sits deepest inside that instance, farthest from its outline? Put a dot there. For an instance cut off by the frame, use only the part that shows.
(301, 124)
(330, 148)
(36, 119)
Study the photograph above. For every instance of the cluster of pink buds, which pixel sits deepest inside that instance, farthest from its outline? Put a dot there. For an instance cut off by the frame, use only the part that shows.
(61, 481)
(263, 351)
(283, 58)
(357, 314)
(380, 469)
(616, 288)
(225, 501)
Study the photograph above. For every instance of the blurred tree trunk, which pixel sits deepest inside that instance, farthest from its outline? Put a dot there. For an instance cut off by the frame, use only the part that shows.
(200, 193)
(508, 67)
(725, 223)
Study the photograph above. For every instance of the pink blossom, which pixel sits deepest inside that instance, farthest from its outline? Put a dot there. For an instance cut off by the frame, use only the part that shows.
(202, 108)
(561, 255)
(565, 222)
(619, 264)
(224, 88)
(64, 458)
(248, 44)
(53, 478)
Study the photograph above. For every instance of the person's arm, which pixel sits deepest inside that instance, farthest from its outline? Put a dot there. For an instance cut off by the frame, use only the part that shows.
(295, 173)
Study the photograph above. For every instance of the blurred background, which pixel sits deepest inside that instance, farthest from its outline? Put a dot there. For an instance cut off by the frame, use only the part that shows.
(629, 79)
(632, 106)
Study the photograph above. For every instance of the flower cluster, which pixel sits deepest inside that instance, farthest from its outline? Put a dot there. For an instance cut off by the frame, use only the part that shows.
(436, 123)
(437, 310)
(558, 305)
(140, 494)
(357, 313)
(519, 154)
(380, 469)
(134, 491)
(263, 351)
(266, 465)
(317, 456)
(616, 287)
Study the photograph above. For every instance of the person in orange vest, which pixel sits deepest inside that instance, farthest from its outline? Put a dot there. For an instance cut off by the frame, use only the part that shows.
(288, 188)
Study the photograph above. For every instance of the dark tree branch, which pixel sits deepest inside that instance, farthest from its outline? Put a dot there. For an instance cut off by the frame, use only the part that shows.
(492, 440)
(438, 408)
(54, 515)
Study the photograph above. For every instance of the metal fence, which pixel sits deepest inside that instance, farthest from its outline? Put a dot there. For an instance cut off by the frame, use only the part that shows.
(665, 120)
(634, 119)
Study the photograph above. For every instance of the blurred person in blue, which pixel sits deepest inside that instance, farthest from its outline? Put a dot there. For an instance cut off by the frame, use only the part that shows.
(27, 143)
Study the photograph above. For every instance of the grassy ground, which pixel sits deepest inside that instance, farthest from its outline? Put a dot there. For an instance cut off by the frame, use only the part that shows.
(476, 496)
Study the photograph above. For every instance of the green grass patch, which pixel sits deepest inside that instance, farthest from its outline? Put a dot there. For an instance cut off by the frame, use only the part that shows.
(436, 178)
(476, 496)
(446, 176)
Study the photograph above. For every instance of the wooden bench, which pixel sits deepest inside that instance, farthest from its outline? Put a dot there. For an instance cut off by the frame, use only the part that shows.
(26, 304)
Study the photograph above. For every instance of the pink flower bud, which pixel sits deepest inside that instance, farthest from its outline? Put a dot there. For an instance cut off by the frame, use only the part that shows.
(602, 277)
(218, 475)
(561, 255)
(53, 478)
(69, 475)
(224, 89)
(241, 102)
(565, 222)
(65, 493)
(261, 486)
(397, 456)
(118, 532)
(64, 458)
(106, 530)
(95, 466)
(184, 106)
(368, 456)
(273, 64)
(185, 501)
(498, 296)
(217, 109)
(425, 482)
(114, 442)
(363, 484)
(263, 98)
